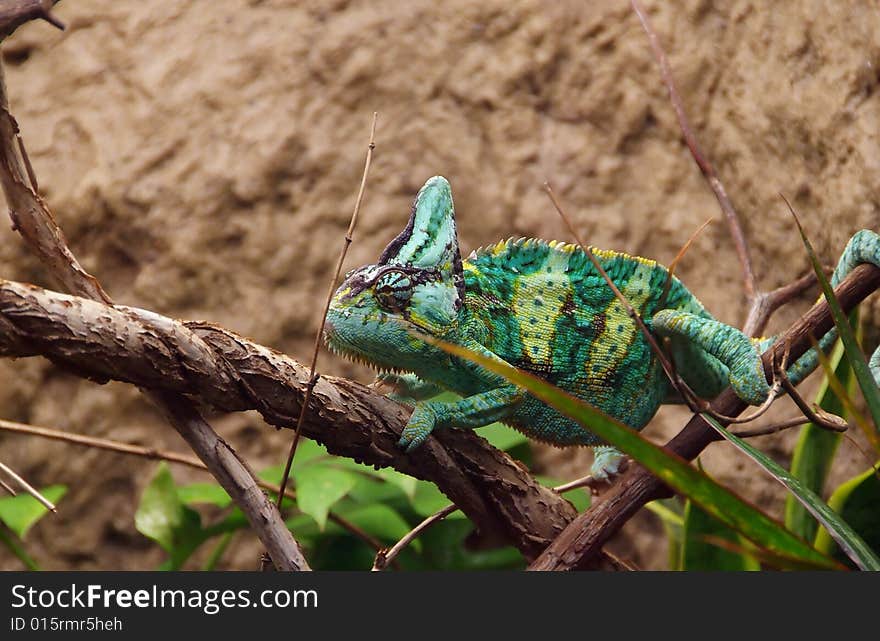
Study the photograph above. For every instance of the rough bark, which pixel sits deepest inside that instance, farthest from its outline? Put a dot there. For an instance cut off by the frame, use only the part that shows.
(224, 371)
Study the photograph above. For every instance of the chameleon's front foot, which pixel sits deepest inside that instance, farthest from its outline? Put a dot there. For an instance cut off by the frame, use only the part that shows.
(607, 463)
(419, 427)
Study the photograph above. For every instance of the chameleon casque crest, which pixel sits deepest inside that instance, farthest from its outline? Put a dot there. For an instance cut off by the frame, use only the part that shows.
(543, 308)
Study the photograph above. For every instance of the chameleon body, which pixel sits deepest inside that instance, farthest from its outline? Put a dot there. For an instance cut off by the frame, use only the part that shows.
(543, 308)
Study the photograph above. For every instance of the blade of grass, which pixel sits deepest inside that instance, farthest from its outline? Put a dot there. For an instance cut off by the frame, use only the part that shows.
(853, 353)
(815, 450)
(849, 541)
(856, 501)
(718, 501)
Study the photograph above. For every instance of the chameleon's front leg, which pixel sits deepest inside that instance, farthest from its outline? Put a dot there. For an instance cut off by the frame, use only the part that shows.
(470, 412)
(496, 403)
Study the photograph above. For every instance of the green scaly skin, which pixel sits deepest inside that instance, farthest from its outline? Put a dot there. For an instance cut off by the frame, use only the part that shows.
(541, 307)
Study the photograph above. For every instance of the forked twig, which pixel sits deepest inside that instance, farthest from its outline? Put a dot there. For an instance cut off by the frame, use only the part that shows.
(30, 489)
(161, 455)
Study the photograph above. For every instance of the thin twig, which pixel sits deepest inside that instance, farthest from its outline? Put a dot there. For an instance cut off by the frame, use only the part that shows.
(331, 288)
(680, 386)
(730, 215)
(163, 455)
(764, 430)
(383, 558)
(28, 488)
(584, 537)
(8, 488)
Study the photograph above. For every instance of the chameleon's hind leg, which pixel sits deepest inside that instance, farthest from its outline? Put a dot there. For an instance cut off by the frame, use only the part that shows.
(719, 345)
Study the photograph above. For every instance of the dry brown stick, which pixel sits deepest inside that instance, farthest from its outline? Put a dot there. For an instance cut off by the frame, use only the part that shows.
(761, 304)
(34, 221)
(162, 455)
(332, 287)
(230, 373)
(14, 13)
(27, 487)
(730, 215)
(764, 430)
(8, 488)
(584, 536)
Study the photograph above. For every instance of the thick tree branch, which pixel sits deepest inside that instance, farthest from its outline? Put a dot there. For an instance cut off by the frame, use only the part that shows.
(226, 372)
(584, 537)
(14, 13)
(33, 219)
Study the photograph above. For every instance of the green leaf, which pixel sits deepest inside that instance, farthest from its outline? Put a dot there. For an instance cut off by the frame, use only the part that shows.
(20, 512)
(699, 553)
(12, 544)
(319, 487)
(162, 517)
(379, 521)
(203, 493)
(672, 470)
(854, 354)
(858, 503)
(503, 437)
(428, 499)
(815, 450)
(854, 546)
(405, 482)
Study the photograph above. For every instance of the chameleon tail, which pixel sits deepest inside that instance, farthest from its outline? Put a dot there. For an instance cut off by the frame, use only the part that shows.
(863, 247)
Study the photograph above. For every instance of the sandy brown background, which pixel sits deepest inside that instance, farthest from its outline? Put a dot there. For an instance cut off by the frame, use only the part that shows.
(203, 158)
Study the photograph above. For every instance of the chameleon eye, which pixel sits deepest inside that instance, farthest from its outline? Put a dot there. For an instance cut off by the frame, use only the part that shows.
(392, 290)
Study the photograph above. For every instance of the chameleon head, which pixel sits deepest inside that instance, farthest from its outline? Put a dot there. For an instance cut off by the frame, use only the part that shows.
(417, 286)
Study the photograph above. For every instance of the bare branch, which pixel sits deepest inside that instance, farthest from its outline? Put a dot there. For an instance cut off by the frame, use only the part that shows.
(14, 13)
(32, 218)
(317, 347)
(229, 373)
(27, 487)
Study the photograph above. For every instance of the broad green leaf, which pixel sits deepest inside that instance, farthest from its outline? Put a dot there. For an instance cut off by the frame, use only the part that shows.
(672, 470)
(218, 552)
(815, 450)
(379, 521)
(699, 552)
(502, 436)
(20, 512)
(405, 482)
(854, 354)
(319, 487)
(428, 499)
(851, 543)
(858, 503)
(210, 493)
(162, 517)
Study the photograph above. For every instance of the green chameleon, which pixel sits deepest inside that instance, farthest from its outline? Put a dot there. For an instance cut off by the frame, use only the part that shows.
(543, 308)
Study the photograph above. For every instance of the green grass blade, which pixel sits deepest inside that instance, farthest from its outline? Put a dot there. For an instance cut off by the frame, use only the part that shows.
(718, 501)
(854, 354)
(698, 550)
(850, 542)
(815, 450)
(13, 544)
(673, 525)
(858, 503)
